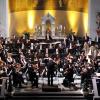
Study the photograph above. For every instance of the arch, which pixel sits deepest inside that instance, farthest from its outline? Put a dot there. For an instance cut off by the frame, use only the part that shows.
(50, 20)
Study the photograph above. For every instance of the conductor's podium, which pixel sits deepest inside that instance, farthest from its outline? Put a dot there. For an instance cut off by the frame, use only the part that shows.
(55, 88)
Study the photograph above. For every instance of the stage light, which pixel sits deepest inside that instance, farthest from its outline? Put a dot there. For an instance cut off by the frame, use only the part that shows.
(31, 19)
(73, 20)
(85, 22)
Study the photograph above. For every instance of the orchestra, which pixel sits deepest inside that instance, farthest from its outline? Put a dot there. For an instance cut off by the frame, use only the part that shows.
(23, 59)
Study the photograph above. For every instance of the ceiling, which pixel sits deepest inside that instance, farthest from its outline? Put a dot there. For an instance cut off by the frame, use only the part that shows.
(73, 5)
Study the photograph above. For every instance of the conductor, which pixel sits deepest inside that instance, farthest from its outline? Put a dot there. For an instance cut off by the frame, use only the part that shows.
(50, 72)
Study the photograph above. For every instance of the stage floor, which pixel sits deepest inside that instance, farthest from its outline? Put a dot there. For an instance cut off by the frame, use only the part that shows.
(65, 93)
(57, 81)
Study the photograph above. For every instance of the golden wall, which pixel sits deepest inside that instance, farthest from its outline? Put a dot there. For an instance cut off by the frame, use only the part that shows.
(26, 14)
(73, 5)
(25, 21)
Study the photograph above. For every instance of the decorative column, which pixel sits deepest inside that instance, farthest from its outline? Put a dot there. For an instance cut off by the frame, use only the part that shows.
(43, 29)
(98, 25)
(53, 29)
(93, 8)
(4, 18)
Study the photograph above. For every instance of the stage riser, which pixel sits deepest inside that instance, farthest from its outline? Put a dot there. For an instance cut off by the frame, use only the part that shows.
(48, 98)
(2, 98)
(46, 95)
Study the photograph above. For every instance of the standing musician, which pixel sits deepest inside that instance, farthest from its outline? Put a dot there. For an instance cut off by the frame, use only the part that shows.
(17, 76)
(2, 52)
(10, 69)
(24, 67)
(68, 73)
(3, 71)
(33, 77)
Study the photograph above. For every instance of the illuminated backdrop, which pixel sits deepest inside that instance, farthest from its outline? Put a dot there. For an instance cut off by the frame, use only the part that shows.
(25, 14)
(73, 5)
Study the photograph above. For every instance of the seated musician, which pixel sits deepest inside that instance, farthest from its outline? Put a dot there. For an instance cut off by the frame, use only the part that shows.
(23, 60)
(68, 73)
(52, 49)
(33, 77)
(58, 63)
(10, 59)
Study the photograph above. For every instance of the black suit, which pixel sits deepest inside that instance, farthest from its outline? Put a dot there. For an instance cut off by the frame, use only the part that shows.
(33, 77)
(50, 74)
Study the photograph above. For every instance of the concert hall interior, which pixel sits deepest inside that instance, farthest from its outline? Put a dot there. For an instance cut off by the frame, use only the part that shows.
(50, 49)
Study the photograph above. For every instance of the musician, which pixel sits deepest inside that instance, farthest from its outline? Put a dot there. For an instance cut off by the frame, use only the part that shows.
(67, 41)
(10, 64)
(86, 38)
(27, 44)
(6, 44)
(46, 59)
(29, 56)
(23, 60)
(65, 81)
(10, 45)
(61, 49)
(50, 71)
(19, 44)
(33, 77)
(86, 48)
(32, 47)
(51, 50)
(58, 62)
(17, 76)
(3, 71)
(10, 59)
(68, 73)
(2, 53)
(84, 78)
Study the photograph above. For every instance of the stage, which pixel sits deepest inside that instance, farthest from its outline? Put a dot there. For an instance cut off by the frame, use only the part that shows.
(38, 94)
(45, 92)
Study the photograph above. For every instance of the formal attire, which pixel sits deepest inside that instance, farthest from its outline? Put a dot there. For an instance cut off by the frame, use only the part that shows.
(50, 72)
